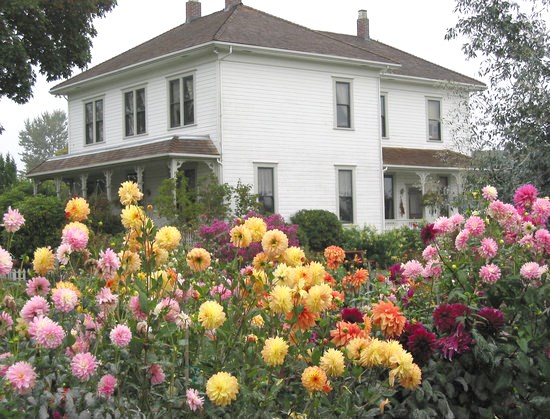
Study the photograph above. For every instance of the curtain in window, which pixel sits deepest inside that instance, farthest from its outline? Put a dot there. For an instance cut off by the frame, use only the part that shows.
(343, 118)
(89, 115)
(388, 198)
(345, 192)
(188, 97)
(140, 110)
(266, 188)
(415, 203)
(99, 121)
(129, 113)
(175, 119)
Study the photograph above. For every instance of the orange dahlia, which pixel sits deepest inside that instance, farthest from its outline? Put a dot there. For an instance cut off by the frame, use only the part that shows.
(388, 318)
(335, 256)
(346, 331)
(314, 379)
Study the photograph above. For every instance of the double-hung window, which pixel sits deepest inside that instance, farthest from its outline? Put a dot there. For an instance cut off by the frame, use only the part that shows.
(265, 187)
(134, 112)
(182, 101)
(342, 90)
(93, 115)
(384, 115)
(389, 213)
(345, 195)
(434, 119)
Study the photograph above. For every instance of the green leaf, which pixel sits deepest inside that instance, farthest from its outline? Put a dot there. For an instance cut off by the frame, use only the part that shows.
(523, 345)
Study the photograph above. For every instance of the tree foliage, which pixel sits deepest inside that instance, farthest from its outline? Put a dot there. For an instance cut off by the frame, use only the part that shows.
(513, 115)
(43, 137)
(8, 172)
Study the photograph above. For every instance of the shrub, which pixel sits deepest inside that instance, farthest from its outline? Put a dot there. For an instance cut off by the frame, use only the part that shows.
(318, 229)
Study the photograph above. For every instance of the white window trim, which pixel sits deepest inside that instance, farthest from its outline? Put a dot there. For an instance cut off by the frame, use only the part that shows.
(337, 168)
(134, 89)
(440, 100)
(93, 100)
(351, 103)
(180, 77)
(274, 166)
(387, 136)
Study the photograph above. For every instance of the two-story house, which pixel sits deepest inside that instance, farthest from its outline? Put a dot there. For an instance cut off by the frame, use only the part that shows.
(311, 119)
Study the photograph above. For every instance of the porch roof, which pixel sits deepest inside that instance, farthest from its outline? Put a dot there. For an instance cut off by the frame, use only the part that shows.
(173, 147)
(420, 158)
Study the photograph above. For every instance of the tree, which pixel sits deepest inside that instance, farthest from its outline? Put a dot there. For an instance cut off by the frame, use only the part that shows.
(43, 137)
(511, 134)
(8, 172)
(49, 36)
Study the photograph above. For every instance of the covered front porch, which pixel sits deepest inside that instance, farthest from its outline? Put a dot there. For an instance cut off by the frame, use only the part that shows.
(421, 185)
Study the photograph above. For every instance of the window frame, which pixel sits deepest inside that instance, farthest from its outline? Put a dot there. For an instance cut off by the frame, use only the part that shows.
(96, 131)
(183, 121)
(273, 166)
(418, 192)
(350, 169)
(350, 121)
(384, 125)
(392, 215)
(135, 112)
(439, 119)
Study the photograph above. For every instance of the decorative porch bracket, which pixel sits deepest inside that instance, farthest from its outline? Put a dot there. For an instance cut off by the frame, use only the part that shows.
(173, 166)
(423, 177)
(139, 175)
(83, 185)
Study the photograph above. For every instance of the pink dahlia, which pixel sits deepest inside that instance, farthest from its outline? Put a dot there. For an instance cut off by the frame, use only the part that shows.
(490, 193)
(76, 237)
(108, 263)
(13, 220)
(106, 300)
(157, 374)
(525, 196)
(21, 376)
(532, 270)
(45, 332)
(193, 399)
(121, 335)
(4, 365)
(135, 309)
(64, 299)
(461, 240)
(457, 220)
(489, 273)
(412, 268)
(36, 306)
(84, 365)
(6, 323)
(541, 210)
(63, 253)
(430, 252)
(37, 286)
(542, 238)
(443, 225)
(6, 262)
(475, 225)
(106, 386)
(171, 307)
(488, 248)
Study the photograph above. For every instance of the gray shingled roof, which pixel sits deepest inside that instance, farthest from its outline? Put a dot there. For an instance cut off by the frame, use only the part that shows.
(172, 147)
(244, 25)
(397, 156)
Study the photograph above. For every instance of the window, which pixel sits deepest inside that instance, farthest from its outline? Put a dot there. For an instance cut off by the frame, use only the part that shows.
(434, 120)
(134, 112)
(383, 116)
(343, 104)
(266, 188)
(345, 195)
(389, 213)
(415, 203)
(182, 102)
(94, 121)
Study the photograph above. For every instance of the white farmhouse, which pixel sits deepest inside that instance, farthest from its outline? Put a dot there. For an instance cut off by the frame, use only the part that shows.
(311, 119)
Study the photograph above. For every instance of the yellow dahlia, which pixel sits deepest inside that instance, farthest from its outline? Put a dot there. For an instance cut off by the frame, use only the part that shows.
(43, 261)
(280, 273)
(257, 228)
(211, 315)
(129, 193)
(69, 285)
(198, 259)
(332, 362)
(274, 351)
(374, 354)
(355, 346)
(77, 209)
(222, 388)
(294, 256)
(132, 217)
(257, 321)
(317, 273)
(240, 236)
(318, 298)
(161, 255)
(260, 261)
(130, 261)
(168, 238)
(274, 243)
(280, 299)
(314, 379)
(411, 377)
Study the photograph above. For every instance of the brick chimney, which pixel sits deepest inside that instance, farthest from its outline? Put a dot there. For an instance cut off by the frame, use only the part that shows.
(363, 25)
(193, 10)
(229, 4)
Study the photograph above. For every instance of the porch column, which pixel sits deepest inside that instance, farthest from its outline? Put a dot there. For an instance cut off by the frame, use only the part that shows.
(423, 176)
(108, 179)
(58, 187)
(139, 175)
(34, 187)
(173, 166)
(83, 185)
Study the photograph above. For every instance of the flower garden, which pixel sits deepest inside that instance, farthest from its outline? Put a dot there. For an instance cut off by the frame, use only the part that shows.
(247, 324)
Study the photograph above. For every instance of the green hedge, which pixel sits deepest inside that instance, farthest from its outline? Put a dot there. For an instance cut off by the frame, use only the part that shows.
(318, 229)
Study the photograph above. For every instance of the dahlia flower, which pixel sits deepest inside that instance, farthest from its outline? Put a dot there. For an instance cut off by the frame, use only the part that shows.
(222, 388)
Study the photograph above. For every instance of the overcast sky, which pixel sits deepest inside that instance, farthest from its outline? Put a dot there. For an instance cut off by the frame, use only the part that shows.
(417, 27)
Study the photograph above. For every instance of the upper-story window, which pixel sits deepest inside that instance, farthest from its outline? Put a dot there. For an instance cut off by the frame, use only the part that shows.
(434, 119)
(342, 91)
(384, 115)
(134, 112)
(182, 102)
(93, 112)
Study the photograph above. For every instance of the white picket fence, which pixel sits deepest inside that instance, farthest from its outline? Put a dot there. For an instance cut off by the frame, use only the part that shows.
(16, 275)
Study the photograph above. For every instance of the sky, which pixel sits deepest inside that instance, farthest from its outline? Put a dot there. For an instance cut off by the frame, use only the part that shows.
(417, 27)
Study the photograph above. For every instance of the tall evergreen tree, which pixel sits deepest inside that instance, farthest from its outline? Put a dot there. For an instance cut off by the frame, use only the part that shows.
(8, 172)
